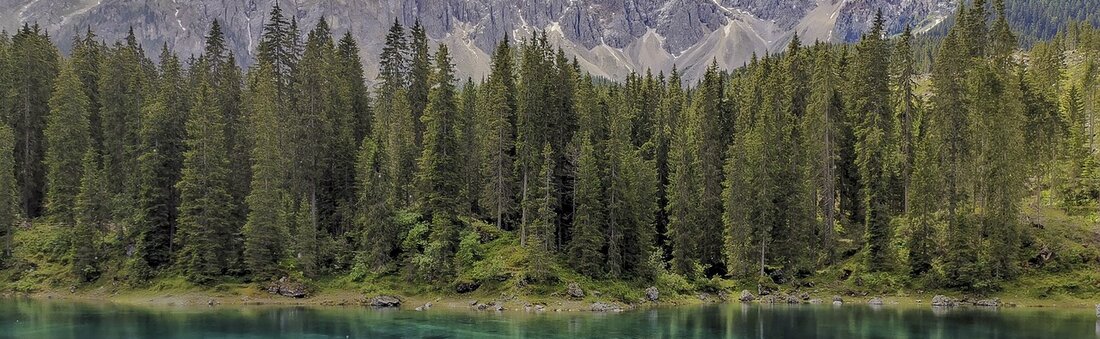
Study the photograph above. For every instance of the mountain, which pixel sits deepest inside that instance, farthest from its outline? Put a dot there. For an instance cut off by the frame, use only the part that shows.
(610, 38)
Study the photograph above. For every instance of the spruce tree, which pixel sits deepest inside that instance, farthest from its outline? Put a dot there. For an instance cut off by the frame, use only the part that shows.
(33, 65)
(496, 120)
(91, 214)
(67, 140)
(874, 135)
(540, 248)
(821, 128)
(162, 148)
(438, 176)
(206, 205)
(122, 89)
(265, 229)
(585, 252)
(9, 197)
(419, 77)
(379, 236)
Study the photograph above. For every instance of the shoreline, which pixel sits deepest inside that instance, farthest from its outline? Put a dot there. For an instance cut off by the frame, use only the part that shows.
(246, 297)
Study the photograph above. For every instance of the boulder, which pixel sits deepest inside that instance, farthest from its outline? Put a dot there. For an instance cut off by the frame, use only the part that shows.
(837, 300)
(652, 294)
(288, 288)
(746, 296)
(792, 299)
(574, 290)
(466, 287)
(1098, 310)
(804, 296)
(875, 301)
(943, 301)
(604, 307)
(995, 302)
(385, 301)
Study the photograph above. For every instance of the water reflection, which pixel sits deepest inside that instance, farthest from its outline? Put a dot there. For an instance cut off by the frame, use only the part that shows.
(58, 319)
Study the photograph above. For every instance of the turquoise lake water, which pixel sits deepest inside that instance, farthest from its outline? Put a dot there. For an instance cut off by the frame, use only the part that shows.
(63, 319)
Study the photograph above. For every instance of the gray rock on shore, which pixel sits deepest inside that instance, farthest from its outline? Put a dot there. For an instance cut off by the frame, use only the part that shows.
(746, 296)
(876, 301)
(837, 300)
(944, 301)
(995, 302)
(385, 301)
(574, 290)
(652, 294)
(604, 307)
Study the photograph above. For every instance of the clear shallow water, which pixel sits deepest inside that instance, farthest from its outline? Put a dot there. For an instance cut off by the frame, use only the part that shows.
(61, 319)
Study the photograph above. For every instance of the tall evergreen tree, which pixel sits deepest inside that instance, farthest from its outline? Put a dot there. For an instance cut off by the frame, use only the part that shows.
(123, 82)
(91, 214)
(874, 135)
(206, 206)
(265, 230)
(33, 66)
(496, 119)
(9, 197)
(419, 77)
(160, 163)
(586, 250)
(67, 139)
(438, 176)
(540, 248)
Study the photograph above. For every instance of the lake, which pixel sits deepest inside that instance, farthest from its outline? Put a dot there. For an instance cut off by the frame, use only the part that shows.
(21, 318)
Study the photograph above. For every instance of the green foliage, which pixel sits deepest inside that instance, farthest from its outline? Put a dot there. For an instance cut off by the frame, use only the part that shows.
(66, 139)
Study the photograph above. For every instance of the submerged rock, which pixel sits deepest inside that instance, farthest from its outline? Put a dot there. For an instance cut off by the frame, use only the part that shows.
(995, 302)
(943, 301)
(651, 293)
(575, 290)
(746, 296)
(604, 307)
(875, 301)
(385, 301)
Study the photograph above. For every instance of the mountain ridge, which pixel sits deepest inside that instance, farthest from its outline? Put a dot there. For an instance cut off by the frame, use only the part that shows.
(610, 38)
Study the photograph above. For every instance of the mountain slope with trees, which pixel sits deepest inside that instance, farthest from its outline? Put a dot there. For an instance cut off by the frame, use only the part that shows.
(838, 166)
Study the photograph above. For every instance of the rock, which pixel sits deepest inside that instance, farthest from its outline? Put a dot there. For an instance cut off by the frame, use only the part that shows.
(995, 302)
(385, 301)
(288, 288)
(804, 296)
(428, 305)
(467, 287)
(791, 299)
(837, 300)
(419, 308)
(473, 303)
(1098, 310)
(211, 302)
(603, 307)
(481, 307)
(815, 301)
(540, 308)
(746, 296)
(575, 290)
(875, 301)
(651, 293)
(943, 301)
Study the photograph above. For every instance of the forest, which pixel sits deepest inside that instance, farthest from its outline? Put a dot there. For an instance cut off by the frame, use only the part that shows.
(819, 160)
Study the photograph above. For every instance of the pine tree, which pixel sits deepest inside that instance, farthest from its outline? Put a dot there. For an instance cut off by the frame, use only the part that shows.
(874, 135)
(351, 71)
(496, 119)
(91, 214)
(33, 66)
(685, 184)
(87, 57)
(540, 247)
(905, 107)
(123, 82)
(9, 197)
(419, 77)
(162, 148)
(379, 236)
(821, 142)
(265, 229)
(67, 140)
(206, 206)
(585, 252)
(438, 176)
